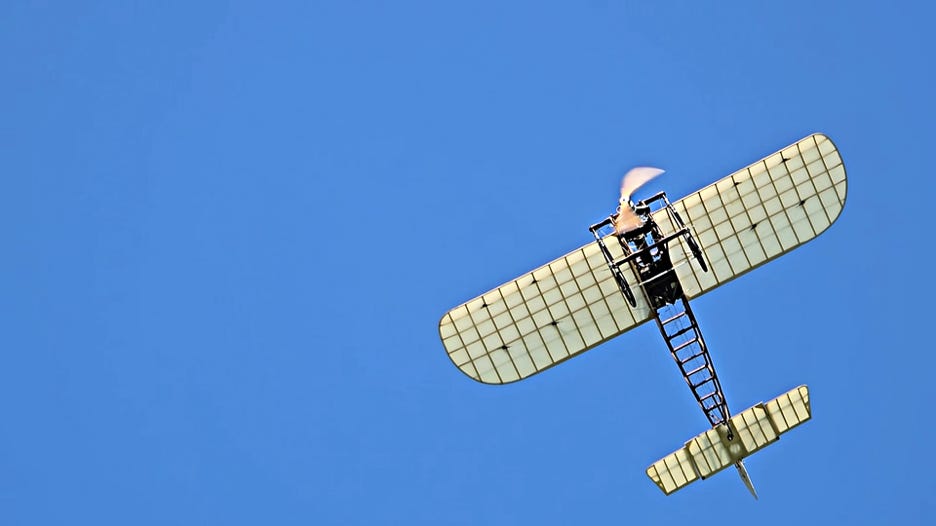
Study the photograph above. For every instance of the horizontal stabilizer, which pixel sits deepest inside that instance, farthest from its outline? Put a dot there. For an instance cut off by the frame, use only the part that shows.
(712, 451)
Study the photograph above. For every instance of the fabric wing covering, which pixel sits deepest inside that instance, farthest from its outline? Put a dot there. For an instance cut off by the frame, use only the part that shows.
(573, 303)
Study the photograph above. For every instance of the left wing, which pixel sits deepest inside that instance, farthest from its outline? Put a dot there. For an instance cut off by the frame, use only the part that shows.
(542, 318)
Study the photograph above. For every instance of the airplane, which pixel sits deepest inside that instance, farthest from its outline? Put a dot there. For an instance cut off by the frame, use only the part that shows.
(647, 261)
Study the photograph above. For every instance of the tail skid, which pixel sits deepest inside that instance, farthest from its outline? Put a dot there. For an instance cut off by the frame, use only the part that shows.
(742, 471)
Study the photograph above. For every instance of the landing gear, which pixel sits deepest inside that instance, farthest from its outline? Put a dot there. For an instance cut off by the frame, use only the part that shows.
(696, 252)
(625, 289)
(693, 246)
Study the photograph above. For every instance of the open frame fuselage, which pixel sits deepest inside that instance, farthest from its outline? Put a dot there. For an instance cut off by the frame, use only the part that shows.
(646, 250)
(650, 270)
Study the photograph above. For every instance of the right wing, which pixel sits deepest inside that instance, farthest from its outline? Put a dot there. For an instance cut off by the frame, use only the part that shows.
(759, 213)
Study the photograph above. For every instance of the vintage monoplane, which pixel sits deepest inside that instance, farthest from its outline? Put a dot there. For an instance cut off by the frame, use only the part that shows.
(647, 262)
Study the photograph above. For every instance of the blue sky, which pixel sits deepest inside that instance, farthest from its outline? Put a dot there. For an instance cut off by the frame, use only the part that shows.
(231, 228)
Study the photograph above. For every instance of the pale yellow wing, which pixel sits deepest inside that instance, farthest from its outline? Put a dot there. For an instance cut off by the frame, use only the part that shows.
(541, 318)
(759, 213)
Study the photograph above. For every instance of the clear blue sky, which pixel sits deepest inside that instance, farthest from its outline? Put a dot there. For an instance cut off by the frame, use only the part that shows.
(230, 229)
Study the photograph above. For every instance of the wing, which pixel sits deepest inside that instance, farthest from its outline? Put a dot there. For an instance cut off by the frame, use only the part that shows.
(541, 318)
(760, 212)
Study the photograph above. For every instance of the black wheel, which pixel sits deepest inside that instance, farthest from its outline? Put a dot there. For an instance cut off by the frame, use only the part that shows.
(630, 296)
(697, 253)
(678, 219)
(622, 284)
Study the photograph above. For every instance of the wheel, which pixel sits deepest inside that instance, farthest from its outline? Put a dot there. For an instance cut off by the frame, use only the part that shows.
(622, 284)
(678, 219)
(629, 295)
(697, 253)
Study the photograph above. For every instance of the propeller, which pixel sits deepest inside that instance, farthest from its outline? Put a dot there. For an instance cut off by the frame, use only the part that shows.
(627, 220)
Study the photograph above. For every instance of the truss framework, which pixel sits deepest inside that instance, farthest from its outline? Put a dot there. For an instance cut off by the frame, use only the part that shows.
(647, 251)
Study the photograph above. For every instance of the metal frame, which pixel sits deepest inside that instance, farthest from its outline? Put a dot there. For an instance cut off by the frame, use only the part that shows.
(646, 250)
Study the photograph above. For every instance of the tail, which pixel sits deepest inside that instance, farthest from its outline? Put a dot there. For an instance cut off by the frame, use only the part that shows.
(745, 478)
(712, 450)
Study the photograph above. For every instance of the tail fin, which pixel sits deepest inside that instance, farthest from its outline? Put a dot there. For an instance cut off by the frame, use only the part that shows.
(745, 478)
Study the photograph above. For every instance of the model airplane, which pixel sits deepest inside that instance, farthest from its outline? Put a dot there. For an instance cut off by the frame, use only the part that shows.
(647, 261)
